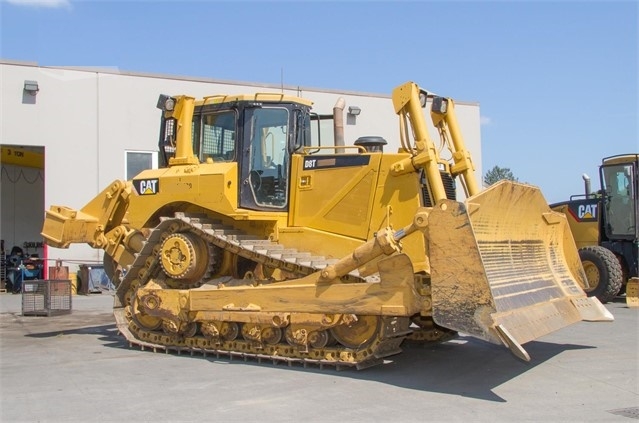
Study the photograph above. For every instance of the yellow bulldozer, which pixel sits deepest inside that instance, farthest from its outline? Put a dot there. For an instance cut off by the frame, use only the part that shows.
(255, 240)
(604, 225)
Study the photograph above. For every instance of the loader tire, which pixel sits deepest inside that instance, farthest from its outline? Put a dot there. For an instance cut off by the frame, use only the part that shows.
(603, 272)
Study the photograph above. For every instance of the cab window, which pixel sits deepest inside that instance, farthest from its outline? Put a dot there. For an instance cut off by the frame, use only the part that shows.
(214, 136)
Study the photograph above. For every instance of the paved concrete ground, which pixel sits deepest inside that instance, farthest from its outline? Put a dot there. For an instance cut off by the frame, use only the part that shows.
(76, 368)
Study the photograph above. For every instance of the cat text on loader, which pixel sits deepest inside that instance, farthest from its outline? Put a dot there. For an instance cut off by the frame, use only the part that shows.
(255, 242)
(604, 225)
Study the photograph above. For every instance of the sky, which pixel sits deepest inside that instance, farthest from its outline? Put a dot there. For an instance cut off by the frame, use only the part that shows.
(556, 81)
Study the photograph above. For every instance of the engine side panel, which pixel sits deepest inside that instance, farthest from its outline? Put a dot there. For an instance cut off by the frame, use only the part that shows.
(583, 220)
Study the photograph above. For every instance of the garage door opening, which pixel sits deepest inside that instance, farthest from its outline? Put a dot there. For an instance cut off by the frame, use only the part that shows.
(21, 214)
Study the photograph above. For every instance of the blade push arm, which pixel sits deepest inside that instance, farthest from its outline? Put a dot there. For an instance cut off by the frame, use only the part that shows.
(445, 120)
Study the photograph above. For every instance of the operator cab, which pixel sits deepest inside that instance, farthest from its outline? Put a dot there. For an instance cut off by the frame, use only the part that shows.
(259, 132)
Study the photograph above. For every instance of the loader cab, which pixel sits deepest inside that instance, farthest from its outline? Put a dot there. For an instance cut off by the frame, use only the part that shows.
(618, 229)
(259, 132)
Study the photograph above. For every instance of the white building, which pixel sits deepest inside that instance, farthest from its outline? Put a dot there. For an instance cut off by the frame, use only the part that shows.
(66, 133)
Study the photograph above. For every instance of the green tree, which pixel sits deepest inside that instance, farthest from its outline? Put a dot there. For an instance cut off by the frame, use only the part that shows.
(497, 174)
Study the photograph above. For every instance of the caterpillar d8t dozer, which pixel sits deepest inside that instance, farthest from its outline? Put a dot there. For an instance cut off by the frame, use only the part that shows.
(252, 240)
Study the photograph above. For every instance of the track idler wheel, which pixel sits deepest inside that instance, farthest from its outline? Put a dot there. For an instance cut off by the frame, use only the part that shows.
(357, 331)
(184, 256)
(142, 319)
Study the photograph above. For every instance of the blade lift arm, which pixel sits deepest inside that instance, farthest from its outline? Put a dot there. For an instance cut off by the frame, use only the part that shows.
(408, 101)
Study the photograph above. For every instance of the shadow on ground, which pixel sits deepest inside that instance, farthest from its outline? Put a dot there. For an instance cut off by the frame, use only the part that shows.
(464, 366)
(77, 323)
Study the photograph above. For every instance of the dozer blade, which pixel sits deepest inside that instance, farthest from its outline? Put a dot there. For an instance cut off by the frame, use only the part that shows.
(505, 268)
(632, 292)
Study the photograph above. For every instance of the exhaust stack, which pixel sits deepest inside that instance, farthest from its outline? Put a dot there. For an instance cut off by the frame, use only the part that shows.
(586, 179)
(338, 123)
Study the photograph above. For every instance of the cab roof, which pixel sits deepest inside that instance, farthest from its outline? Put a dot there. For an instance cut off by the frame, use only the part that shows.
(620, 159)
(256, 97)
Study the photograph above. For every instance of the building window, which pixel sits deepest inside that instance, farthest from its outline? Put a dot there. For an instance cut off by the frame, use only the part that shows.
(137, 161)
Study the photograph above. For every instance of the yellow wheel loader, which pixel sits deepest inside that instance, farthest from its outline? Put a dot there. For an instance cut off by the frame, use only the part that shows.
(255, 240)
(604, 225)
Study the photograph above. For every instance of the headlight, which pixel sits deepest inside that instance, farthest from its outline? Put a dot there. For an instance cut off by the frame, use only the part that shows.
(440, 105)
(166, 103)
(423, 96)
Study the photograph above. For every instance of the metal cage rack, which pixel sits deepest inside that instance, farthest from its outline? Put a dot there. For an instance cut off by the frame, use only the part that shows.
(46, 297)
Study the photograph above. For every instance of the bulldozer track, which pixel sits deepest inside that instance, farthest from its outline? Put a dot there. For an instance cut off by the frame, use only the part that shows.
(390, 334)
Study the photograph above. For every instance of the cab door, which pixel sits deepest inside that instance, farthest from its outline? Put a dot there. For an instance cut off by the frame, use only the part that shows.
(265, 160)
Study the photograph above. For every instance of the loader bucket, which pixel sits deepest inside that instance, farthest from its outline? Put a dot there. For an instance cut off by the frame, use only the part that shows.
(505, 267)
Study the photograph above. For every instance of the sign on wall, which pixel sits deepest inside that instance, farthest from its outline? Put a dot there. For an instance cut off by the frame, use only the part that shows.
(22, 157)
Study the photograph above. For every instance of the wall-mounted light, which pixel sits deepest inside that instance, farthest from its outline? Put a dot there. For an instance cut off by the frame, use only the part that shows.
(354, 110)
(31, 87)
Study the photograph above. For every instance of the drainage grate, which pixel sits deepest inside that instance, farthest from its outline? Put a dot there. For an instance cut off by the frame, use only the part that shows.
(632, 412)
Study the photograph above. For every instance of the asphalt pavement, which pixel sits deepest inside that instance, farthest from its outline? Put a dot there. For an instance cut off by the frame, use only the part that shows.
(76, 368)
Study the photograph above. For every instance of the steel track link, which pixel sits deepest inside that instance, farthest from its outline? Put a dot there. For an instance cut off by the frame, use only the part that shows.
(392, 332)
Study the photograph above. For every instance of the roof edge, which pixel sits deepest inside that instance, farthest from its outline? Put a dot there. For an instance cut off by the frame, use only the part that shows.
(113, 70)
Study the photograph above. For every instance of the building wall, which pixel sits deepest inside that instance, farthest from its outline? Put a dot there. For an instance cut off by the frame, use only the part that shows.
(87, 118)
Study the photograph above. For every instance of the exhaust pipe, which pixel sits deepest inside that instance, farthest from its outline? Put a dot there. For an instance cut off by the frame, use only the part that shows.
(338, 123)
(586, 179)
